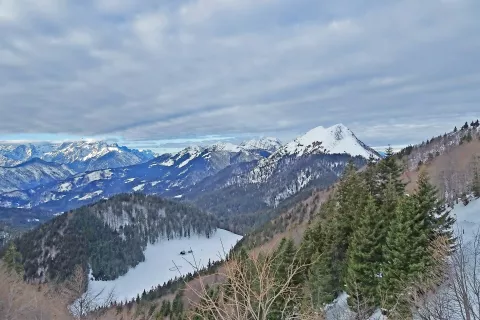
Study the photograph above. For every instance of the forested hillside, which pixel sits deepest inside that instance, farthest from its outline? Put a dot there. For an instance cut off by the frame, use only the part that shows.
(109, 236)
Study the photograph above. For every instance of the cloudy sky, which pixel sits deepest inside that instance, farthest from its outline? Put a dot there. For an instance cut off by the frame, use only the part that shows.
(162, 73)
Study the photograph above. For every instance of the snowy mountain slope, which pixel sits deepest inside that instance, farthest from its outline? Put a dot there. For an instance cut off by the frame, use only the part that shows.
(235, 194)
(31, 174)
(269, 144)
(79, 155)
(335, 139)
(14, 154)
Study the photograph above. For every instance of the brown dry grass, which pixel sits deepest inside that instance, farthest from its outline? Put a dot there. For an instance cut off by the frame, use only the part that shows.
(23, 301)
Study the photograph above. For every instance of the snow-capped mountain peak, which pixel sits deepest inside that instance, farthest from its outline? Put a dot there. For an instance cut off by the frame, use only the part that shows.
(267, 143)
(331, 140)
(226, 146)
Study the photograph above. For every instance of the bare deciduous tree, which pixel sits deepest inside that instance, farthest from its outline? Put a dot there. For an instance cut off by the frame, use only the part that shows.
(251, 290)
(87, 303)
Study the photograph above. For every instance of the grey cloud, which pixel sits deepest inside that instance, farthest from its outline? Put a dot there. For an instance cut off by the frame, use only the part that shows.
(396, 72)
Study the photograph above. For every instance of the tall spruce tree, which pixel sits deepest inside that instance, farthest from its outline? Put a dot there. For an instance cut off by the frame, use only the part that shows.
(406, 251)
(475, 186)
(364, 258)
(350, 199)
(284, 261)
(13, 259)
(370, 177)
(438, 220)
(389, 170)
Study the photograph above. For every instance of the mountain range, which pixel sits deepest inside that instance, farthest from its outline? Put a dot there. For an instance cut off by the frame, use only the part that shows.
(79, 156)
(263, 170)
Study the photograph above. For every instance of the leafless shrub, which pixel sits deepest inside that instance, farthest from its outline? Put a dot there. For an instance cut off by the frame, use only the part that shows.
(251, 290)
(87, 304)
(19, 300)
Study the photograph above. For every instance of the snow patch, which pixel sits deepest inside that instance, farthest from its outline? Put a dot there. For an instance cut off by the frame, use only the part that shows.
(67, 186)
(139, 187)
(90, 195)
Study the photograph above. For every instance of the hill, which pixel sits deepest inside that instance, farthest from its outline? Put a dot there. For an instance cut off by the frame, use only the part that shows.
(109, 237)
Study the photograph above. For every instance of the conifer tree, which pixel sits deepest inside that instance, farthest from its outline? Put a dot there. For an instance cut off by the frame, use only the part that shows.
(13, 259)
(476, 177)
(350, 200)
(364, 258)
(284, 260)
(438, 220)
(388, 169)
(322, 284)
(370, 177)
(405, 253)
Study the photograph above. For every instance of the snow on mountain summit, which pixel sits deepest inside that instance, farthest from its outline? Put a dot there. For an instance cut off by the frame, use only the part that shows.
(226, 146)
(337, 139)
(269, 144)
(334, 139)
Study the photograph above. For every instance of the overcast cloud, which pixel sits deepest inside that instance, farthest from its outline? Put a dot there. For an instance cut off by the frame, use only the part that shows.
(393, 71)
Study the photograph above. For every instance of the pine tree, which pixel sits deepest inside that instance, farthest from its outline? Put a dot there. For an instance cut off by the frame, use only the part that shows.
(177, 304)
(364, 258)
(405, 252)
(369, 176)
(322, 284)
(284, 261)
(438, 220)
(455, 129)
(13, 259)
(388, 169)
(476, 177)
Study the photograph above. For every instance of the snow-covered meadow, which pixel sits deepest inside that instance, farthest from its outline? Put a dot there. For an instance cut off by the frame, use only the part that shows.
(160, 261)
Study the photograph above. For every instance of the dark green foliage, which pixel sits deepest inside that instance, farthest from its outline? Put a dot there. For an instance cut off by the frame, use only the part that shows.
(438, 220)
(388, 169)
(97, 235)
(166, 308)
(405, 253)
(475, 186)
(372, 239)
(13, 259)
(365, 257)
(284, 261)
(177, 304)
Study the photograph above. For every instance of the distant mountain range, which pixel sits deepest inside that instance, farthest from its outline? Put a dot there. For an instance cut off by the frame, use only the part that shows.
(216, 177)
(79, 156)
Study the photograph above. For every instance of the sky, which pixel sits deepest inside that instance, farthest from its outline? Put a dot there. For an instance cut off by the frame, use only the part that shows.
(163, 74)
